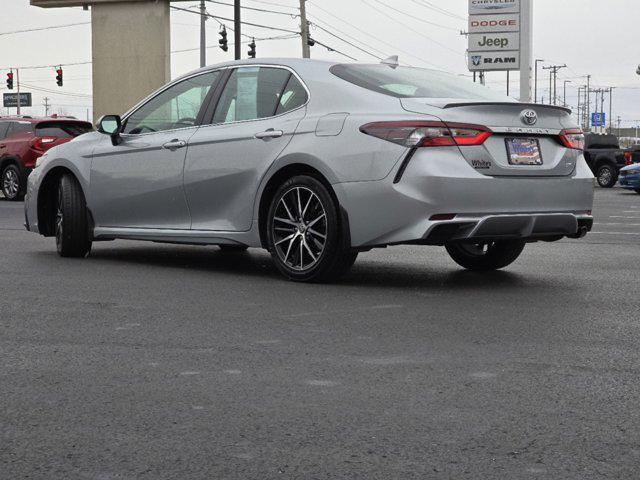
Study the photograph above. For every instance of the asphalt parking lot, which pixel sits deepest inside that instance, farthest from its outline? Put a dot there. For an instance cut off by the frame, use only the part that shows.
(170, 362)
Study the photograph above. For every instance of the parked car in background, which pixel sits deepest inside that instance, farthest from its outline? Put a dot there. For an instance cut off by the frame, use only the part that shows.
(605, 158)
(630, 177)
(23, 140)
(316, 162)
(632, 154)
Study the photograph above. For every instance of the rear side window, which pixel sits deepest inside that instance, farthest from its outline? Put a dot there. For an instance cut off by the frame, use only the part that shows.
(409, 82)
(293, 96)
(252, 93)
(62, 129)
(19, 127)
(4, 126)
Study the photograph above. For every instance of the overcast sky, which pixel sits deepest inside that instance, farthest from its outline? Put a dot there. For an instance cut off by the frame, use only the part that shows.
(594, 37)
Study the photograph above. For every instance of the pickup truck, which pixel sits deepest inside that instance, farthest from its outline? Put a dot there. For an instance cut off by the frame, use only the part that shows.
(605, 158)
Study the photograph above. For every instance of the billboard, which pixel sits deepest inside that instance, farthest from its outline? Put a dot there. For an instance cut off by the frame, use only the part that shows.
(494, 35)
(10, 100)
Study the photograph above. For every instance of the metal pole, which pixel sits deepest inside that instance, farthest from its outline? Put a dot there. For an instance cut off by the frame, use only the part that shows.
(526, 49)
(611, 109)
(507, 83)
(564, 100)
(304, 30)
(203, 35)
(18, 88)
(587, 97)
(535, 82)
(237, 27)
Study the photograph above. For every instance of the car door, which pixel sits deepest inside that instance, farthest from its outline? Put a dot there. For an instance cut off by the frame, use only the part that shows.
(254, 118)
(139, 182)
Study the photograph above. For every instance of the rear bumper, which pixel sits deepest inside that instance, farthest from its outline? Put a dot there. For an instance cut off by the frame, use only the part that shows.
(385, 213)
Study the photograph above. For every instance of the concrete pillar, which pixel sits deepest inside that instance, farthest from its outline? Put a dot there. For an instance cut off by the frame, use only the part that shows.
(131, 53)
(130, 48)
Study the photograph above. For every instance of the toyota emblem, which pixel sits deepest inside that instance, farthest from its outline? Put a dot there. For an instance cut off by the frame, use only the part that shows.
(529, 117)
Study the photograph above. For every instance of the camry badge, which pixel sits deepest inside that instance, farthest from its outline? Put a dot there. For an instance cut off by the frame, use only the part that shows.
(529, 117)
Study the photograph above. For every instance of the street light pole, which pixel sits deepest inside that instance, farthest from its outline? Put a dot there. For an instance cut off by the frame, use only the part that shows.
(564, 100)
(535, 81)
(237, 26)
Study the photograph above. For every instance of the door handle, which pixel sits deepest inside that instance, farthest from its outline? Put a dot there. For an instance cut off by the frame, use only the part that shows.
(174, 144)
(270, 133)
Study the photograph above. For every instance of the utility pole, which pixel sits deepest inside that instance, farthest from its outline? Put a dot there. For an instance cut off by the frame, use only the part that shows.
(18, 88)
(535, 81)
(237, 26)
(508, 81)
(203, 35)
(526, 49)
(611, 109)
(46, 106)
(304, 30)
(564, 98)
(587, 104)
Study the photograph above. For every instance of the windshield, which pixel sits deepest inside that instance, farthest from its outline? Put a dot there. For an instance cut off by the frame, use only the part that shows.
(62, 129)
(410, 82)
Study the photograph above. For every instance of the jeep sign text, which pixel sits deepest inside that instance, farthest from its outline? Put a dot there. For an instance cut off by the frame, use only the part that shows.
(481, 42)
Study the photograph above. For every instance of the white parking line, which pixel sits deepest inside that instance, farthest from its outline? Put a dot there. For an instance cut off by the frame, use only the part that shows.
(622, 216)
(625, 224)
(617, 233)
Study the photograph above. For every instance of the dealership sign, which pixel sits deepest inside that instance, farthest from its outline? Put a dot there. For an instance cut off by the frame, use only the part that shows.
(494, 61)
(494, 35)
(10, 100)
(493, 6)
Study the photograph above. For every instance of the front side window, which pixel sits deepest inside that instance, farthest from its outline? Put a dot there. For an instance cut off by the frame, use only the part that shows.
(252, 93)
(20, 127)
(4, 126)
(176, 107)
(410, 82)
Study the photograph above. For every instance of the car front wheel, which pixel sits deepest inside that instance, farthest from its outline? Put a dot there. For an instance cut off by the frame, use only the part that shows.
(71, 221)
(12, 184)
(606, 176)
(304, 234)
(485, 256)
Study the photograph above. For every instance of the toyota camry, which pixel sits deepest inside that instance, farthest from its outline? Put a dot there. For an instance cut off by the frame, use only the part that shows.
(316, 162)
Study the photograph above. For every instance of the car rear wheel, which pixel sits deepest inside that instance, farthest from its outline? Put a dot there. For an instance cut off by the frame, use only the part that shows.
(303, 232)
(71, 222)
(606, 176)
(485, 256)
(12, 184)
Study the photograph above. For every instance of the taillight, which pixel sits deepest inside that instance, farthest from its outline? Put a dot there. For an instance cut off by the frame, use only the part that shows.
(628, 158)
(42, 143)
(572, 138)
(428, 134)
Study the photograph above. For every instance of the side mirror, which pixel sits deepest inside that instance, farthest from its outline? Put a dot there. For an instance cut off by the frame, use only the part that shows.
(111, 125)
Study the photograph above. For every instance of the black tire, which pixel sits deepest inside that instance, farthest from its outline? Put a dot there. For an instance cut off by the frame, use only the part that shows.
(606, 176)
(315, 248)
(638, 191)
(71, 222)
(12, 183)
(484, 257)
(233, 248)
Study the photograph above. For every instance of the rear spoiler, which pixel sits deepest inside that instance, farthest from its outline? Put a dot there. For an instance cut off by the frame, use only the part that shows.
(511, 104)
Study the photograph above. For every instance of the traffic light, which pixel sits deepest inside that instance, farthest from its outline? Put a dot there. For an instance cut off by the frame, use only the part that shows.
(252, 49)
(224, 43)
(10, 80)
(59, 76)
(310, 41)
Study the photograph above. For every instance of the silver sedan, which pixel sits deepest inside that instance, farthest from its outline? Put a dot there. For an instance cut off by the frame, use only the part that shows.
(316, 162)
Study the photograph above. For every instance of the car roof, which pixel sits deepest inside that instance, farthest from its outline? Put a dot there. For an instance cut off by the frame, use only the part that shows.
(30, 119)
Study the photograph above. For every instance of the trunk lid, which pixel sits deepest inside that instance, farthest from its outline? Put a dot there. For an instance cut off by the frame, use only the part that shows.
(508, 123)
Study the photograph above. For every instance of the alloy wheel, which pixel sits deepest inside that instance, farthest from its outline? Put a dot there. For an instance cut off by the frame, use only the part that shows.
(299, 228)
(605, 176)
(59, 218)
(10, 183)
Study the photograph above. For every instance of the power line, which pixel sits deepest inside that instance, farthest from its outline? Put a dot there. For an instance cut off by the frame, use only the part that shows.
(417, 32)
(441, 10)
(417, 18)
(342, 32)
(218, 18)
(255, 9)
(395, 48)
(345, 41)
(275, 4)
(45, 28)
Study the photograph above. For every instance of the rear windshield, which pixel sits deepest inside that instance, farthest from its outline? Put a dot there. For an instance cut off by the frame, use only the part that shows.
(410, 82)
(62, 129)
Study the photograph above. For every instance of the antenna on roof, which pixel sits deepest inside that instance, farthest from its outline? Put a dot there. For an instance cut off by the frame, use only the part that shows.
(392, 61)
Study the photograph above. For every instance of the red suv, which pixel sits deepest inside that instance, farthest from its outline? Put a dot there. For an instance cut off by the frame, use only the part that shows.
(23, 140)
